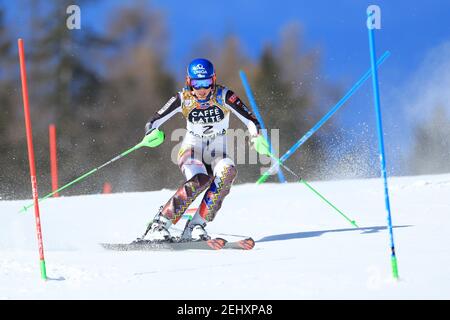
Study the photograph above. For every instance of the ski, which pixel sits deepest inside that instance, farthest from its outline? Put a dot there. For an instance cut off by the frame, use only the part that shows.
(245, 244)
(212, 244)
(148, 245)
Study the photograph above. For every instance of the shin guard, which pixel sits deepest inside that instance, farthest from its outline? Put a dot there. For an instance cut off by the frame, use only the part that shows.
(225, 172)
(184, 196)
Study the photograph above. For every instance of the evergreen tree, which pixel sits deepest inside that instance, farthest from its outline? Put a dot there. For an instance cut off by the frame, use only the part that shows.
(138, 86)
(5, 46)
(11, 118)
(64, 85)
(283, 88)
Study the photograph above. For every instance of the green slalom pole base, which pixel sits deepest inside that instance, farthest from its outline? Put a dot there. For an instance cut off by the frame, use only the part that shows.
(43, 270)
(263, 178)
(394, 267)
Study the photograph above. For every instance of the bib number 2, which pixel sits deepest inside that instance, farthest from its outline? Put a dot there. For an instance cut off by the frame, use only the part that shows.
(207, 129)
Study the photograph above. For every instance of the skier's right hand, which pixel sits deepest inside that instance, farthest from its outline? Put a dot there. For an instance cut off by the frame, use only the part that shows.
(153, 138)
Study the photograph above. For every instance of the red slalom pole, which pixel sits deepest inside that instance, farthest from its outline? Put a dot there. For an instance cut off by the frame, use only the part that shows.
(26, 107)
(107, 188)
(53, 158)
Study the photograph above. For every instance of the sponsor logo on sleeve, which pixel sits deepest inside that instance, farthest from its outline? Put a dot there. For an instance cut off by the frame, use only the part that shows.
(167, 105)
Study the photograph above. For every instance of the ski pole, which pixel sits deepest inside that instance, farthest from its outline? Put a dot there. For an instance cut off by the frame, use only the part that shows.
(341, 102)
(146, 142)
(255, 108)
(353, 222)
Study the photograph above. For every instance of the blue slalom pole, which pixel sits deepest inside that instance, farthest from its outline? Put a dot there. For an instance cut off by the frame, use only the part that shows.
(330, 113)
(255, 108)
(376, 95)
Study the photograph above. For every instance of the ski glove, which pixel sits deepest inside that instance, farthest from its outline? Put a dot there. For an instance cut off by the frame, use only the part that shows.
(260, 144)
(153, 138)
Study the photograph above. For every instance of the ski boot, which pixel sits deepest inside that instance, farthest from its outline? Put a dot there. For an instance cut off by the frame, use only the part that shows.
(195, 232)
(158, 229)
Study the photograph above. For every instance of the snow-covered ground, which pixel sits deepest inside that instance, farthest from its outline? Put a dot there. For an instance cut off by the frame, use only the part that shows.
(304, 249)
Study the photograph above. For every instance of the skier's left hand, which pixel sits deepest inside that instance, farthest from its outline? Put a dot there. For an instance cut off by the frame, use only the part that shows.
(260, 144)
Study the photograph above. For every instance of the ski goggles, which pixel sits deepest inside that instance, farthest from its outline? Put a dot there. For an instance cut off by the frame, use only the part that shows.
(202, 83)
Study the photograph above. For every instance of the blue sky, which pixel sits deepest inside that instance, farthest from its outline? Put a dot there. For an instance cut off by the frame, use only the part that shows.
(410, 30)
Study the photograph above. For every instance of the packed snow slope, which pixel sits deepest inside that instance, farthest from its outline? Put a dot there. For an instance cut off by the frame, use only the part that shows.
(304, 248)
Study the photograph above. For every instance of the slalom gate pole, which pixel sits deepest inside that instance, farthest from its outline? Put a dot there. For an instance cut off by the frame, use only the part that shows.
(376, 95)
(143, 143)
(53, 158)
(330, 113)
(255, 108)
(353, 222)
(31, 159)
(107, 188)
